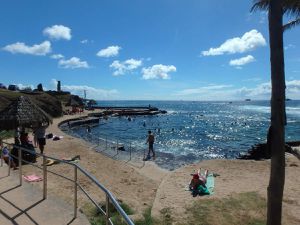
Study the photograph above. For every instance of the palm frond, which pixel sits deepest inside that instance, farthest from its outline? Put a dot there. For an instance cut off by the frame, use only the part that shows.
(260, 5)
(289, 7)
(291, 24)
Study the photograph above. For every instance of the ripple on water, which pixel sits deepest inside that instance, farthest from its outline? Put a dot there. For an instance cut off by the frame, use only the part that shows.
(192, 131)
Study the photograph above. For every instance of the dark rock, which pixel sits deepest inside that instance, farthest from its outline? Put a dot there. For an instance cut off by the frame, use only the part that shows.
(260, 152)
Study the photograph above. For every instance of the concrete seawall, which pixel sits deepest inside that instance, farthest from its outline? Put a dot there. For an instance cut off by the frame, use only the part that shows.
(94, 117)
(128, 111)
(79, 121)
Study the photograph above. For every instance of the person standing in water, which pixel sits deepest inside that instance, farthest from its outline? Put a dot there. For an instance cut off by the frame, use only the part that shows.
(150, 141)
(88, 129)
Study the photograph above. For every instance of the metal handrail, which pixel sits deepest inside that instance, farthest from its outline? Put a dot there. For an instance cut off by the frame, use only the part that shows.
(109, 196)
(116, 142)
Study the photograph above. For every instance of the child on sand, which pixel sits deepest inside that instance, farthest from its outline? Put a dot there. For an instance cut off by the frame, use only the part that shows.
(6, 157)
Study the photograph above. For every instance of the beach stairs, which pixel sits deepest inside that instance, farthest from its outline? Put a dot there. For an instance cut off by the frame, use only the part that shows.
(24, 205)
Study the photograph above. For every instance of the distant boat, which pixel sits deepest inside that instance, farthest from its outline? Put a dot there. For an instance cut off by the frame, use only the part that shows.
(247, 99)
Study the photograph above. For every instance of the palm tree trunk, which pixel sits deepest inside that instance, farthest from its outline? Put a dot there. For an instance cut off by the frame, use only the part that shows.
(276, 134)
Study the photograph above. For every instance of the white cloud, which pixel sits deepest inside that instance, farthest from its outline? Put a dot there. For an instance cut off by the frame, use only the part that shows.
(56, 56)
(122, 67)
(289, 46)
(248, 42)
(158, 71)
(293, 86)
(53, 84)
(110, 51)
(242, 61)
(73, 63)
(202, 90)
(216, 87)
(85, 41)
(264, 89)
(23, 86)
(58, 32)
(261, 91)
(254, 79)
(263, 17)
(94, 93)
(37, 49)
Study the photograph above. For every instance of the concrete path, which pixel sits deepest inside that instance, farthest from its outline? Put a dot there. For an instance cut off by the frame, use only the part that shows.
(24, 205)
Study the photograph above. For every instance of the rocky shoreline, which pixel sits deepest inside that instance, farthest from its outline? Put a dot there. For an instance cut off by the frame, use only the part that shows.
(260, 151)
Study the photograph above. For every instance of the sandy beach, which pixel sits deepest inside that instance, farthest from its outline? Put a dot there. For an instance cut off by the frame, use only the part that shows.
(151, 186)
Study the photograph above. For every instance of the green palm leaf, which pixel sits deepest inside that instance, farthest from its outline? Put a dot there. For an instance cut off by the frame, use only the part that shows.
(290, 8)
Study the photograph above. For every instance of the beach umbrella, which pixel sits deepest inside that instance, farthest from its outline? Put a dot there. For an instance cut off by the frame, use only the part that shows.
(23, 113)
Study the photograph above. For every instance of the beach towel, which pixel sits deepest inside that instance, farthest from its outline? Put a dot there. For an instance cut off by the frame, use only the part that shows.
(32, 178)
(210, 183)
(209, 186)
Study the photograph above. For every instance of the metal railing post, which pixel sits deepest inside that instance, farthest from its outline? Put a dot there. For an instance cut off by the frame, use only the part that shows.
(44, 178)
(20, 164)
(75, 191)
(110, 199)
(117, 146)
(107, 210)
(9, 165)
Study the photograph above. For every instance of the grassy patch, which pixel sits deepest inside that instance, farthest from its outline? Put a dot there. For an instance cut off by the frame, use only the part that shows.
(50, 104)
(245, 208)
(96, 217)
(147, 220)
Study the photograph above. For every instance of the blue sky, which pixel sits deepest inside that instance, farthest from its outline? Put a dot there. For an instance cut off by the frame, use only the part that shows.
(143, 49)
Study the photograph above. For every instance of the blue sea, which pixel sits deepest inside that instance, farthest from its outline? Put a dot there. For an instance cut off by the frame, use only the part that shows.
(192, 131)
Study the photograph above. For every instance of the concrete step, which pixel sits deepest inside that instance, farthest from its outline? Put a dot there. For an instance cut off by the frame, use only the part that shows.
(24, 205)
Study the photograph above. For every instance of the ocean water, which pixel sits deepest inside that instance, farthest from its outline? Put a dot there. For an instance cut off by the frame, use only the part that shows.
(193, 131)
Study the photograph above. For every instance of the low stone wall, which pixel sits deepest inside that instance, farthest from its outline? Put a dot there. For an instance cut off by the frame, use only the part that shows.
(79, 121)
(128, 112)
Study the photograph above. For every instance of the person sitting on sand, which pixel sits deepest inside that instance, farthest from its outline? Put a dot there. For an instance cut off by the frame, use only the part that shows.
(6, 157)
(195, 182)
(24, 138)
(198, 183)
